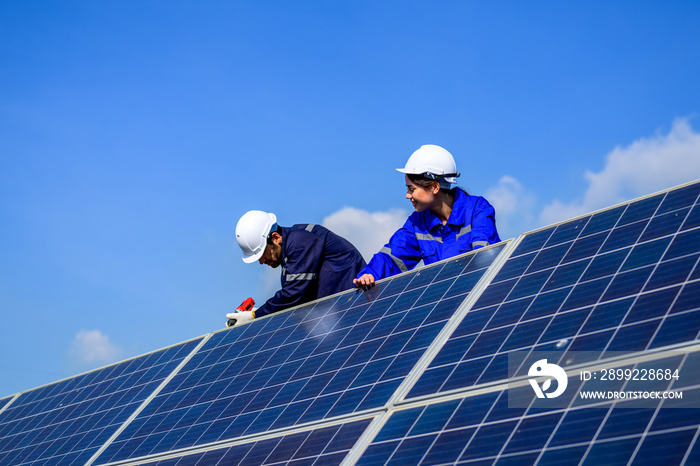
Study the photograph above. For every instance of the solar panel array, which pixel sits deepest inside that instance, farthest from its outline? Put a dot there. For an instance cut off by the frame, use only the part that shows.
(69, 421)
(427, 367)
(331, 358)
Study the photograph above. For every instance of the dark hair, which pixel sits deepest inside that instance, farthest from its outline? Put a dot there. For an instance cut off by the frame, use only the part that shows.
(420, 180)
(425, 182)
(278, 231)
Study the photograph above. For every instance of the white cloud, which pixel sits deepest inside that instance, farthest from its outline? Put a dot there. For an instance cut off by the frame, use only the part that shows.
(514, 207)
(92, 347)
(645, 166)
(368, 231)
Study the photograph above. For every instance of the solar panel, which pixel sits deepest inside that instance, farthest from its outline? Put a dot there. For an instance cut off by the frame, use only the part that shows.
(483, 429)
(331, 358)
(433, 366)
(620, 280)
(326, 445)
(67, 422)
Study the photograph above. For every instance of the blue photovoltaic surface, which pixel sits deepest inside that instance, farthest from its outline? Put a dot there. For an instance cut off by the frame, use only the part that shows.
(68, 421)
(323, 446)
(485, 429)
(333, 357)
(622, 280)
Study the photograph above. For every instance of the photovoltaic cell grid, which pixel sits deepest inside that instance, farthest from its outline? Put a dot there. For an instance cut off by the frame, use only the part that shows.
(68, 421)
(624, 279)
(323, 446)
(332, 357)
(485, 429)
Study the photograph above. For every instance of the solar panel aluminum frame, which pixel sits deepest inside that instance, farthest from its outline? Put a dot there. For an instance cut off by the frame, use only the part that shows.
(11, 399)
(340, 420)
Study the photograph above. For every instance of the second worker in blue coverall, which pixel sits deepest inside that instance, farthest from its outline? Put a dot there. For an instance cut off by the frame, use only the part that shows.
(447, 220)
(315, 261)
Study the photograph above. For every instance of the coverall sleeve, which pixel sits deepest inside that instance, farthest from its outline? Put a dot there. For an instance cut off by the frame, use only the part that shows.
(300, 280)
(400, 254)
(483, 225)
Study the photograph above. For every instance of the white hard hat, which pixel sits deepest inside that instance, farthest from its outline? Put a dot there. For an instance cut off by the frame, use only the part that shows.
(252, 231)
(432, 161)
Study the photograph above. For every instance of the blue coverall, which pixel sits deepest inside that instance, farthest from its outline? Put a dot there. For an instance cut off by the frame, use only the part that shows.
(472, 225)
(315, 263)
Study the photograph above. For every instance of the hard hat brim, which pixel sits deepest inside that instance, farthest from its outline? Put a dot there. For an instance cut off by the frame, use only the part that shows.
(253, 257)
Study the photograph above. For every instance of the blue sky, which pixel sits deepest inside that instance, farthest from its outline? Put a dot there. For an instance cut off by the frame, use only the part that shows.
(133, 135)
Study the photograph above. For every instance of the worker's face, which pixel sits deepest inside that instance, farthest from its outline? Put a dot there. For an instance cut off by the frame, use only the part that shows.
(421, 197)
(273, 252)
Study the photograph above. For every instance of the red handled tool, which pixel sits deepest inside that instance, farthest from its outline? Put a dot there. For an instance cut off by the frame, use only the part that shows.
(246, 305)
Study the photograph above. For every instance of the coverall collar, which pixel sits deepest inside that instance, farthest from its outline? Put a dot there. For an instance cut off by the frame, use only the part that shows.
(456, 215)
(283, 255)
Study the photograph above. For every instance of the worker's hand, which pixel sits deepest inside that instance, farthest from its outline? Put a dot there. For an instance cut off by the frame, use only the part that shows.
(364, 281)
(239, 318)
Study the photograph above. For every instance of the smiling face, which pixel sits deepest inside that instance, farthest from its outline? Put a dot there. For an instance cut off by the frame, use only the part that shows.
(273, 252)
(422, 197)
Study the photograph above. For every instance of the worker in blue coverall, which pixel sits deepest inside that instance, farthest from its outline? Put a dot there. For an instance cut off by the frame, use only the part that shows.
(447, 221)
(315, 261)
